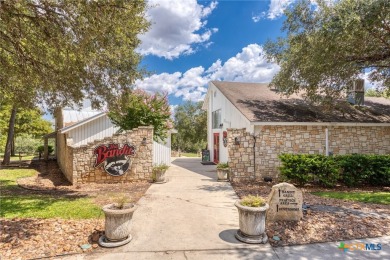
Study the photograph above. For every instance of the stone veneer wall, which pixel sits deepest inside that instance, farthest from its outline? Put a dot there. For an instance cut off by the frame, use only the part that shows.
(274, 140)
(77, 163)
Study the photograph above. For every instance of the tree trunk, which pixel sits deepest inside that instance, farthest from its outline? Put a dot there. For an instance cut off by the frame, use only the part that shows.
(13, 146)
(10, 137)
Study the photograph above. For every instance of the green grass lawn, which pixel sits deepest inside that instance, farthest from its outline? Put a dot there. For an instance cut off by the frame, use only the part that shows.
(368, 197)
(15, 203)
(16, 158)
(190, 155)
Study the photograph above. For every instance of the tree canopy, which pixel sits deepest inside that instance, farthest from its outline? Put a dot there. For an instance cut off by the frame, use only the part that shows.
(60, 52)
(191, 124)
(139, 108)
(329, 45)
(57, 53)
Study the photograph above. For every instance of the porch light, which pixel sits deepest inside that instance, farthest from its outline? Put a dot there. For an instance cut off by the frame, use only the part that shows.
(236, 141)
(143, 141)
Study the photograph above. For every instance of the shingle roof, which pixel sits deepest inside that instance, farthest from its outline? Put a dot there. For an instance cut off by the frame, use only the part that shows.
(258, 103)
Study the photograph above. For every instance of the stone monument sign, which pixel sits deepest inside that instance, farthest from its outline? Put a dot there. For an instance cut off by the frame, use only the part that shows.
(285, 203)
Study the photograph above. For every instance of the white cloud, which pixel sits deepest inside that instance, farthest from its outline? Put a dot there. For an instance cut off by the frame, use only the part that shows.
(177, 26)
(257, 17)
(277, 7)
(249, 65)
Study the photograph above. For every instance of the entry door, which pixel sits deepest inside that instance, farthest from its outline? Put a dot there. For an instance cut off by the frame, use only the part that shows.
(216, 147)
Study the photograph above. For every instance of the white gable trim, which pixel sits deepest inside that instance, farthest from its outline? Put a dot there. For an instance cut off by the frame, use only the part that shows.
(83, 122)
(320, 123)
(205, 104)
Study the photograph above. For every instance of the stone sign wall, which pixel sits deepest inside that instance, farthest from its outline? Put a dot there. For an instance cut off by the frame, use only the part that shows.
(285, 203)
(124, 157)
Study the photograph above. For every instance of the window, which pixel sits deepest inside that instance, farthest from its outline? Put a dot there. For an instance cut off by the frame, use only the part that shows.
(216, 117)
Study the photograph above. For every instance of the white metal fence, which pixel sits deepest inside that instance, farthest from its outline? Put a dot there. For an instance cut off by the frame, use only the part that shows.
(161, 153)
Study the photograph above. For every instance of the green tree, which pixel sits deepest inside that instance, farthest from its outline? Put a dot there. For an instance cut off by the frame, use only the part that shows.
(191, 123)
(27, 121)
(26, 144)
(328, 46)
(139, 108)
(60, 52)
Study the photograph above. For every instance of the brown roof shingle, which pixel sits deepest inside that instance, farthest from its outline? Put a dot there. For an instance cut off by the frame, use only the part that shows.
(259, 103)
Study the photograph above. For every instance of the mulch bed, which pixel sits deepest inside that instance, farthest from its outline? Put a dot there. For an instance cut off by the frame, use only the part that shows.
(326, 219)
(31, 238)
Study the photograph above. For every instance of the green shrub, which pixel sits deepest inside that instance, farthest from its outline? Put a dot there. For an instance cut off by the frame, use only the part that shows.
(381, 173)
(359, 169)
(252, 201)
(351, 170)
(295, 167)
(304, 168)
(222, 166)
(160, 168)
(41, 149)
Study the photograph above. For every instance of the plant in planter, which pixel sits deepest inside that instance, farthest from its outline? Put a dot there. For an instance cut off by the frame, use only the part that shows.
(159, 173)
(252, 214)
(223, 171)
(118, 218)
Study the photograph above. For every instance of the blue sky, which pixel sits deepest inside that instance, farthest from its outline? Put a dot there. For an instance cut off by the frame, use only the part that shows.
(192, 42)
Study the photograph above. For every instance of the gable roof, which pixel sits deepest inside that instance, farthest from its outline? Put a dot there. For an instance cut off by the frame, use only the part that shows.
(71, 117)
(82, 122)
(258, 103)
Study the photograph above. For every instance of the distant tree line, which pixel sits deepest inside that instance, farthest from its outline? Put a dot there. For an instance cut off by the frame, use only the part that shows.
(191, 123)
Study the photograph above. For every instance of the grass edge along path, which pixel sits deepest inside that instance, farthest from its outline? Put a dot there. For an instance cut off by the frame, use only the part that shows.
(366, 197)
(16, 204)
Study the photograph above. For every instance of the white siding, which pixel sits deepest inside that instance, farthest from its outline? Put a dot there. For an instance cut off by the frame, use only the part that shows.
(91, 131)
(230, 118)
(102, 127)
(162, 152)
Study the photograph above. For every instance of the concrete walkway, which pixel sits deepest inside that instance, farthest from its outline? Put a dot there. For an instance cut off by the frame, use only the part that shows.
(192, 216)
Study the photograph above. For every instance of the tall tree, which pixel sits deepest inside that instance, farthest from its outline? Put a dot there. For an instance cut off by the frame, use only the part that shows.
(60, 52)
(329, 44)
(191, 123)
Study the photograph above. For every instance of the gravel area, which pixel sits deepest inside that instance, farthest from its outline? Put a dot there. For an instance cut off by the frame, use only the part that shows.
(325, 219)
(31, 238)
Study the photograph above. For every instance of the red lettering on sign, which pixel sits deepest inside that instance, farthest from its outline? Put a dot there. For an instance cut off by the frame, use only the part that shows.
(103, 152)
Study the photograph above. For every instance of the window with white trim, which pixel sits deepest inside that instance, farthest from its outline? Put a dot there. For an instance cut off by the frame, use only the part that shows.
(216, 118)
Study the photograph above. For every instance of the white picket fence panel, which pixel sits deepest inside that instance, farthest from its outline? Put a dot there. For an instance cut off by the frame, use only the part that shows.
(161, 153)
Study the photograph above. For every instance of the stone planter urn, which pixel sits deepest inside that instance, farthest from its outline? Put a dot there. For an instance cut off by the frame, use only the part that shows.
(159, 176)
(117, 225)
(159, 173)
(252, 224)
(223, 171)
(223, 174)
